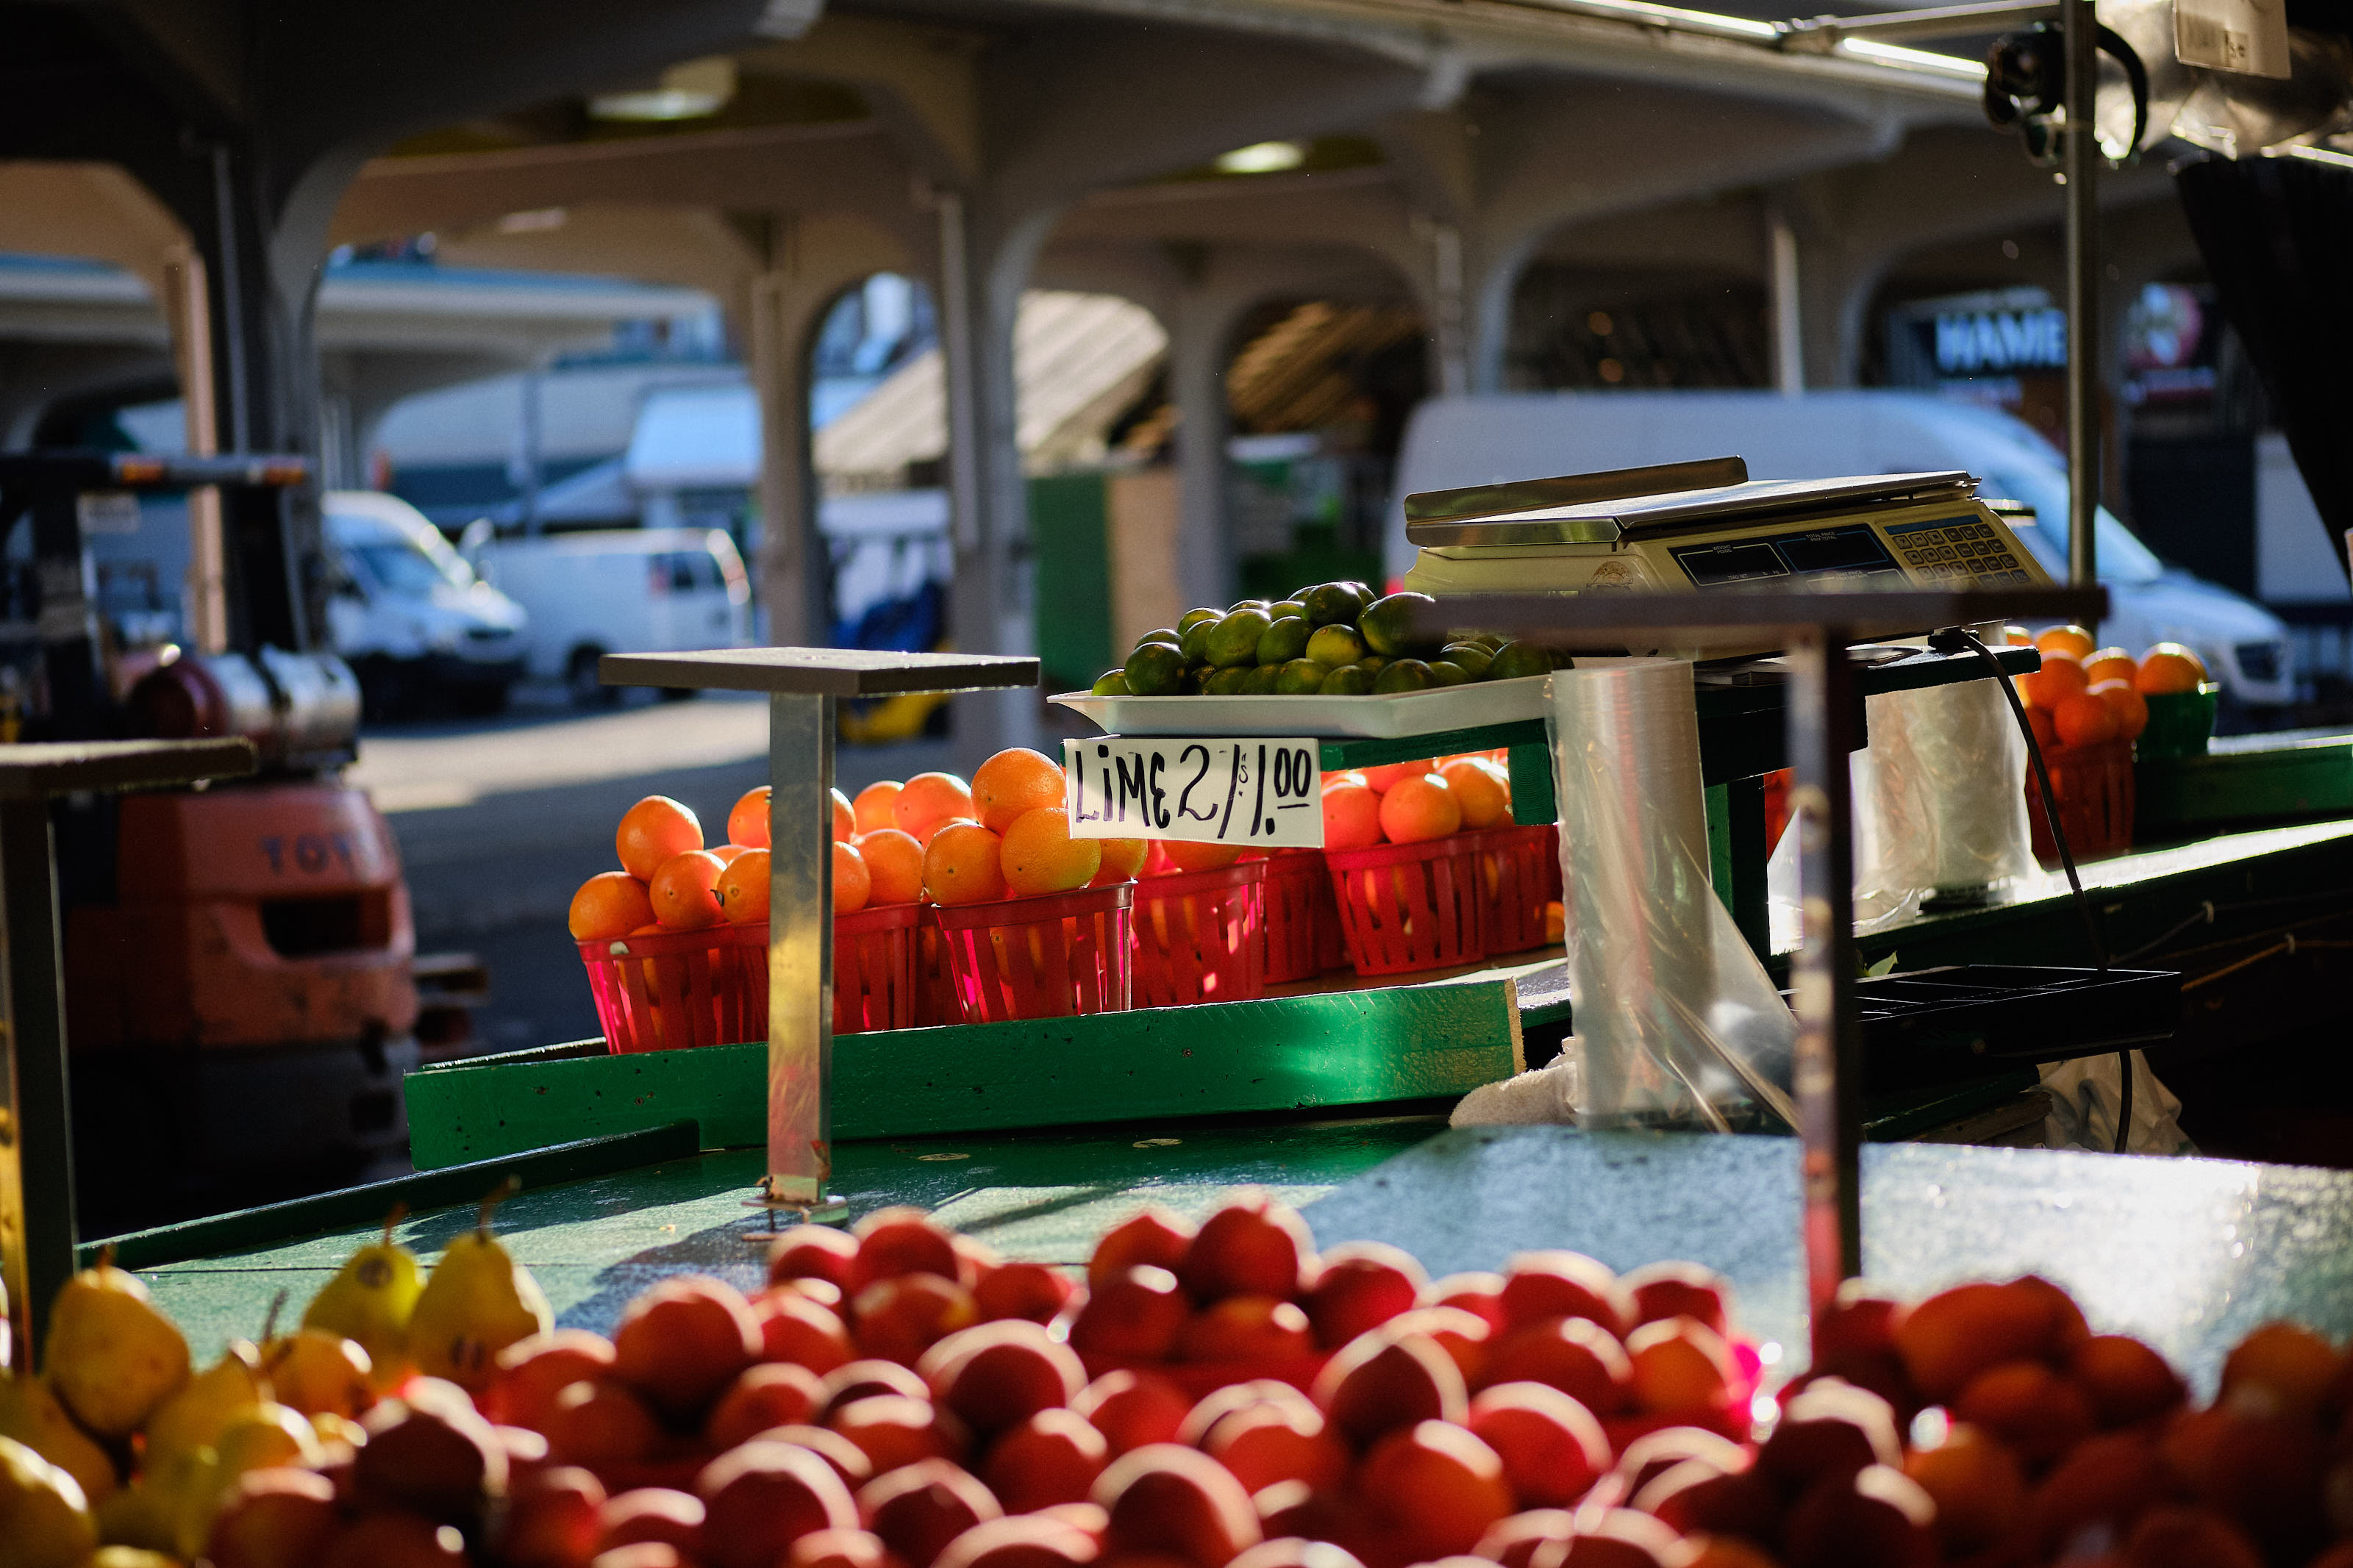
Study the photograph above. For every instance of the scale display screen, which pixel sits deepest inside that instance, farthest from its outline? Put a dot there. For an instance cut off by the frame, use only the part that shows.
(1852, 550)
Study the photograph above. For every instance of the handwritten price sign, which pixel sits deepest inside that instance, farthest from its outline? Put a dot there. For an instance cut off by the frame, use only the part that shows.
(1265, 793)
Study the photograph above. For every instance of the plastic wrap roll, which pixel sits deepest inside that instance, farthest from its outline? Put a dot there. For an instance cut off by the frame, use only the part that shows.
(1676, 1021)
(1941, 807)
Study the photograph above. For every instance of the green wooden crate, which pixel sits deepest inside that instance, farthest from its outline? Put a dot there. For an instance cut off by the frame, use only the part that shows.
(1346, 1048)
(1072, 559)
(2259, 779)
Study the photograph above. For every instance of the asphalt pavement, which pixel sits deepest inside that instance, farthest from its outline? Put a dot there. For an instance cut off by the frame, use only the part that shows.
(499, 820)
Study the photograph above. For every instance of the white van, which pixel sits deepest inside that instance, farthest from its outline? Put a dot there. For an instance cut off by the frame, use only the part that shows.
(408, 614)
(1457, 441)
(621, 590)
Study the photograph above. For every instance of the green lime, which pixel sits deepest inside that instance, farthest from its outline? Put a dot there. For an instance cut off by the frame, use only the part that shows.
(1260, 681)
(1300, 677)
(1446, 672)
(1162, 634)
(1197, 678)
(1335, 645)
(1330, 603)
(1227, 683)
(1283, 641)
(1388, 624)
(1372, 664)
(1291, 606)
(1348, 681)
(1185, 622)
(1250, 605)
(1515, 660)
(1472, 657)
(1197, 637)
(1405, 675)
(1154, 669)
(1111, 683)
(1236, 639)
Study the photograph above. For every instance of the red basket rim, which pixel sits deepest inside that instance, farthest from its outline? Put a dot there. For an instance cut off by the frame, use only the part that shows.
(1305, 864)
(2117, 750)
(1033, 910)
(1176, 884)
(664, 944)
(1515, 829)
(877, 917)
(1390, 854)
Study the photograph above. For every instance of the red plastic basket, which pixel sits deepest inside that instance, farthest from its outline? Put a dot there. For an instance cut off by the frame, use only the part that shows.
(1200, 936)
(935, 992)
(1519, 874)
(1405, 907)
(1048, 957)
(874, 968)
(1302, 923)
(679, 989)
(2094, 786)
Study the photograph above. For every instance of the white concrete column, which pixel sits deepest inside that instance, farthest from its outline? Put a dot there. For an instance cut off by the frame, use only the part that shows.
(1783, 286)
(187, 313)
(1197, 385)
(791, 564)
(1450, 339)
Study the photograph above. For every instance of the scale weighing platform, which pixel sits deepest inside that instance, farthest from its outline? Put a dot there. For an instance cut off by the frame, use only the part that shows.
(1706, 526)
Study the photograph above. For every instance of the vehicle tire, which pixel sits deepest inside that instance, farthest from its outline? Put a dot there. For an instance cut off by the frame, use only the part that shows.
(384, 693)
(678, 693)
(482, 699)
(580, 679)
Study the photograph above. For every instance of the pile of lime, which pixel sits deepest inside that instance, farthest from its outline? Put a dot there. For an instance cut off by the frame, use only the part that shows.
(1335, 639)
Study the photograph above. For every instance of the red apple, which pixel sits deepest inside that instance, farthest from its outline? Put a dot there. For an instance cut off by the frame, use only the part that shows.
(1362, 1285)
(1132, 1409)
(917, 1510)
(1538, 1286)
(1253, 1247)
(811, 1252)
(1153, 1239)
(1553, 1449)
(1135, 1315)
(1052, 1457)
(1378, 1383)
(763, 1497)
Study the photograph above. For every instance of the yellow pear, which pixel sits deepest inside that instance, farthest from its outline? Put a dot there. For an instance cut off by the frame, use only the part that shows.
(262, 1436)
(192, 1419)
(369, 1302)
(137, 1515)
(29, 1412)
(44, 1521)
(319, 1372)
(167, 1508)
(478, 1301)
(332, 1429)
(113, 1357)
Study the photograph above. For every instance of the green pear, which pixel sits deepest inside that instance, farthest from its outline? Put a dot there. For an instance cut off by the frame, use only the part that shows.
(478, 1301)
(29, 1413)
(369, 1302)
(192, 1419)
(44, 1520)
(112, 1356)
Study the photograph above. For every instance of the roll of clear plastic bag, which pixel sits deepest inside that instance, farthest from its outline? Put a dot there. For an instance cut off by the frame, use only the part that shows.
(1940, 806)
(1677, 1023)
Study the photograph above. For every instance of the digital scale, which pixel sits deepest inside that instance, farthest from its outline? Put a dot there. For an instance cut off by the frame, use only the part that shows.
(1705, 527)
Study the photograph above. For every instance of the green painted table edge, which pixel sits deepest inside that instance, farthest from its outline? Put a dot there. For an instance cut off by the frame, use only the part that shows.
(1280, 1053)
(2255, 785)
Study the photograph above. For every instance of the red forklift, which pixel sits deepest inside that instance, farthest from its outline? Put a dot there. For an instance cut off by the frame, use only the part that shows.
(240, 992)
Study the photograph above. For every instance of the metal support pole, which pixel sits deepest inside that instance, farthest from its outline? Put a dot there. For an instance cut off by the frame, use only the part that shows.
(1789, 314)
(2081, 157)
(800, 949)
(1829, 1067)
(36, 1131)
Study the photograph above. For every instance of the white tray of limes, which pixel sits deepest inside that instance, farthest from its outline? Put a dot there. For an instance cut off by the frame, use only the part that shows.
(1387, 717)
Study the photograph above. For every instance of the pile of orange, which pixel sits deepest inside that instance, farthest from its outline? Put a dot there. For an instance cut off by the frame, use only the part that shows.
(668, 881)
(1408, 803)
(2083, 695)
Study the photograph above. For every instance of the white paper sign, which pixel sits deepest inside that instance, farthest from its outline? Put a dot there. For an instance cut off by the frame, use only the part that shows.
(1258, 792)
(2248, 36)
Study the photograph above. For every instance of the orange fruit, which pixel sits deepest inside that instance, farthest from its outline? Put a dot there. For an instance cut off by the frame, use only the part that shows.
(928, 800)
(1346, 775)
(2084, 719)
(2170, 666)
(845, 818)
(685, 890)
(1352, 817)
(2046, 734)
(964, 862)
(873, 803)
(743, 888)
(748, 819)
(2060, 677)
(2017, 636)
(1384, 777)
(727, 852)
(852, 883)
(652, 832)
(1481, 789)
(1039, 855)
(608, 904)
(2132, 708)
(2065, 639)
(1419, 809)
(894, 866)
(2111, 664)
(1185, 856)
(1121, 860)
(1015, 780)
(1556, 924)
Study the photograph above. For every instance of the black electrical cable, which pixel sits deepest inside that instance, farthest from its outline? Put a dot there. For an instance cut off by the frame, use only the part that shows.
(2066, 858)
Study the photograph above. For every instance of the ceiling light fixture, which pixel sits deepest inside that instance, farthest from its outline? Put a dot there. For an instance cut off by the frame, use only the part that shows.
(1262, 158)
(685, 91)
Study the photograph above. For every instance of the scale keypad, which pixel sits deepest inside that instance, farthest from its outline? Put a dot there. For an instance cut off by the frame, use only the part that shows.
(1961, 548)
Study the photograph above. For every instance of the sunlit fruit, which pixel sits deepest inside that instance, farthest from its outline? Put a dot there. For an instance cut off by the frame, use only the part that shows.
(652, 832)
(1155, 1237)
(1253, 1247)
(918, 1508)
(1168, 1499)
(1277, 1440)
(1246, 1328)
(1553, 1447)
(894, 866)
(1575, 1355)
(2124, 1379)
(928, 800)
(652, 1515)
(997, 1375)
(2073, 641)
(609, 904)
(1377, 1382)
(1481, 790)
(1352, 817)
(1052, 1457)
(899, 1319)
(1183, 856)
(1135, 1315)
(872, 806)
(684, 891)
(762, 1497)
(1022, 1540)
(1384, 778)
(1436, 1486)
(1951, 1337)
(793, 1328)
(1463, 1335)
(1132, 1408)
(2291, 1363)
(2170, 667)
(1826, 1429)
(1039, 855)
(853, 885)
(1559, 1284)
(2084, 718)
(1123, 859)
(2111, 664)
(748, 819)
(1673, 1290)
(532, 1371)
(1679, 1367)
(1014, 781)
(1419, 809)
(768, 1394)
(963, 865)
(1878, 1517)
(1362, 1285)
(683, 1340)
(1699, 1500)
(892, 1430)
(2060, 677)
(2039, 1412)
(745, 887)
(1978, 1486)
(870, 1378)
(2130, 707)
(1032, 1291)
(593, 1425)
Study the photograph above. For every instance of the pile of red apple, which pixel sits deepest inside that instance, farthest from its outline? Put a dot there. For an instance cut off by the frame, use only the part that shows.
(898, 1397)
